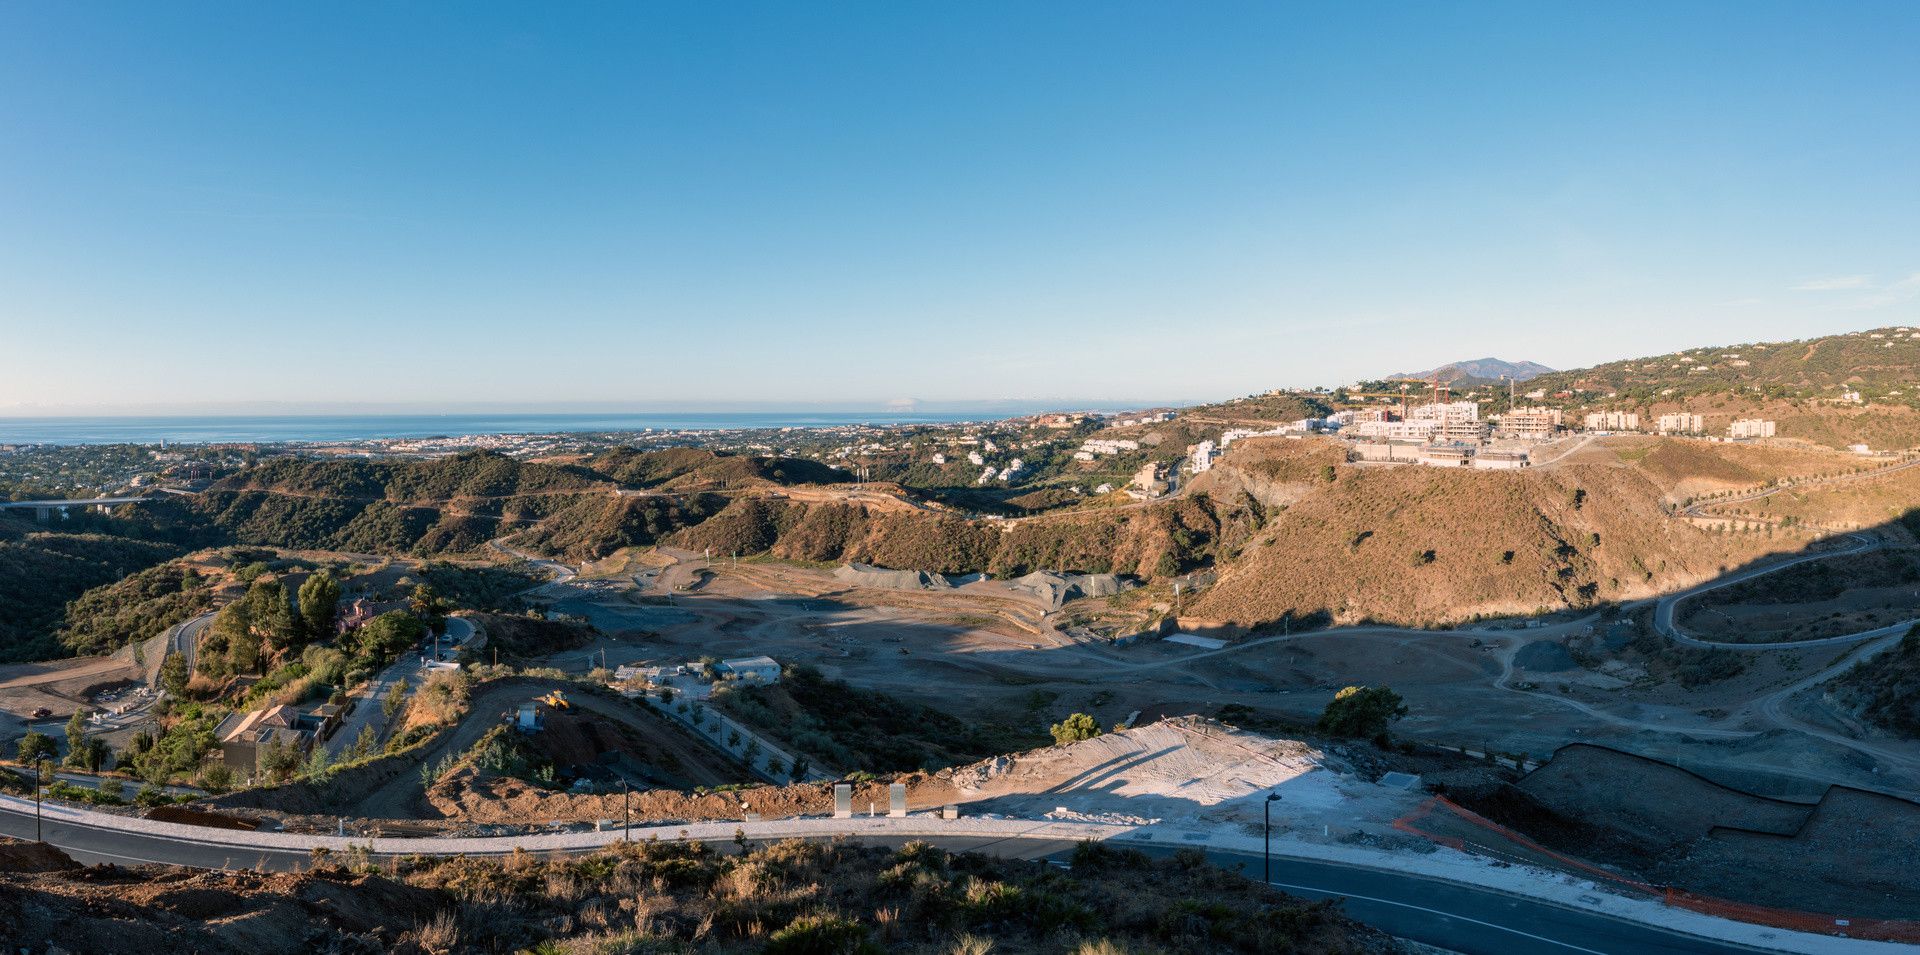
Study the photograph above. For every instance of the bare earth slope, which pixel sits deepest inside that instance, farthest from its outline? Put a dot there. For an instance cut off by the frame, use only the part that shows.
(1431, 546)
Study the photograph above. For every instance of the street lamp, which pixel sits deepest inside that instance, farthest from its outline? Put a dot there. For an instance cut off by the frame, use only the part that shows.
(39, 787)
(1266, 869)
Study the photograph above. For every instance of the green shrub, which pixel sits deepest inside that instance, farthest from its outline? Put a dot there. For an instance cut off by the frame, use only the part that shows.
(822, 935)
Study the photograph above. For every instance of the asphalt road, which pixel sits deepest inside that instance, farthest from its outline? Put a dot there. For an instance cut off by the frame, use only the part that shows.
(185, 638)
(368, 709)
(1455, 917)
(1666, 611)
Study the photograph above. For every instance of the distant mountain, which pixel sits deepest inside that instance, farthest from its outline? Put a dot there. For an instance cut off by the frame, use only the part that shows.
(1483, 369)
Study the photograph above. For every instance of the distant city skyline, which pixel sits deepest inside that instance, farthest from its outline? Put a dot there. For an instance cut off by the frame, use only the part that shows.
(239, 208)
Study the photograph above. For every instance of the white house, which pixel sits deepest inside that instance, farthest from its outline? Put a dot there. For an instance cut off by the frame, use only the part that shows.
(751, 670)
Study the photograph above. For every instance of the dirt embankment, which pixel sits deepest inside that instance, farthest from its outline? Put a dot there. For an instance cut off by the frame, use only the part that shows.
(347, 790)
(1427, 546)
(1162, 757)
(1850, 854)
(111, 910)
(390, 787)
(1151, 540)
(337, 792)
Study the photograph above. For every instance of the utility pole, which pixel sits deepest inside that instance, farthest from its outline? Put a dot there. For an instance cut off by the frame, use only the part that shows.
(1266, 870)
(626, 801)
(39, 770)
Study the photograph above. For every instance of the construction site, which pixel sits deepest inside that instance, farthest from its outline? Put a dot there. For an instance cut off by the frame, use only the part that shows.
(1629, 741)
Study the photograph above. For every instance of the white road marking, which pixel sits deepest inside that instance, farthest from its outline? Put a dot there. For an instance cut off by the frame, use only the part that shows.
(1451, 915)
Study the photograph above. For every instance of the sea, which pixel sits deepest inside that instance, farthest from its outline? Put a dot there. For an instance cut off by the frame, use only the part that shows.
(276, 429)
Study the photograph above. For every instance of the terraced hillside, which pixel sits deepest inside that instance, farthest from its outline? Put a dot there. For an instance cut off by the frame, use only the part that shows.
(1880, 363)
(1432, 546)
(1837, 390)
(457, 504)
(1157, 540)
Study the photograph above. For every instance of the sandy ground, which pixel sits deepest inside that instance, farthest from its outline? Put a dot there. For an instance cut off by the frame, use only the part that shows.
(960, 651)
(64, 686)
(1185, 773)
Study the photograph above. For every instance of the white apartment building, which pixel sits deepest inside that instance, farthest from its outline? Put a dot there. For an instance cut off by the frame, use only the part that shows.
(1680, 423)
(1109, 446)
(1353, 416)
(1612, 421)
(1202, 456)
(1531, 422)
(1461, 429)
(1391, 430)
(1470, 410)
(1750, 428)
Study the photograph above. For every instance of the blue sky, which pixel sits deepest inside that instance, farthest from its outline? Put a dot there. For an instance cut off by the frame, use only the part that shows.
(264, 206)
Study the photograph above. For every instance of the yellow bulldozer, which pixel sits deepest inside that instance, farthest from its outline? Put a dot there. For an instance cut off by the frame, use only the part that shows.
(555, 701)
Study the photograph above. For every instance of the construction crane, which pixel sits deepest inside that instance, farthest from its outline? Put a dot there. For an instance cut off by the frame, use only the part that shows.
(1401, 394)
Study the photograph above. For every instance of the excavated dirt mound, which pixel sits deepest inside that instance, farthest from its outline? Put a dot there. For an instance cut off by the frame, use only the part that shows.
(880, 578)
(108, 910)
(33, 857)
(1851, 854)
(1855, 856)
(194, 817)
(1055, 589)
(1647, 804)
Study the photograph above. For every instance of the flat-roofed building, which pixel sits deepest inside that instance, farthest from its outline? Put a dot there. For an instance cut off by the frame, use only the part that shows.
(1680, 422)
(751, 669)
(1531, 423)
(1448, 456)
(1394, 430)
(1501, 460)
(1612, 421)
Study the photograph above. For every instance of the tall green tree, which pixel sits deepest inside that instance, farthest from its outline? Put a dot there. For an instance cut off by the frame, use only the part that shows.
(270, 614)
(1363, 711)
(319, 605)
(389, 635)
(35, 747)
(1074, 728)
(76, 735)
(93, 755)
(173, 673)
(427, 604)
(279, 760)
